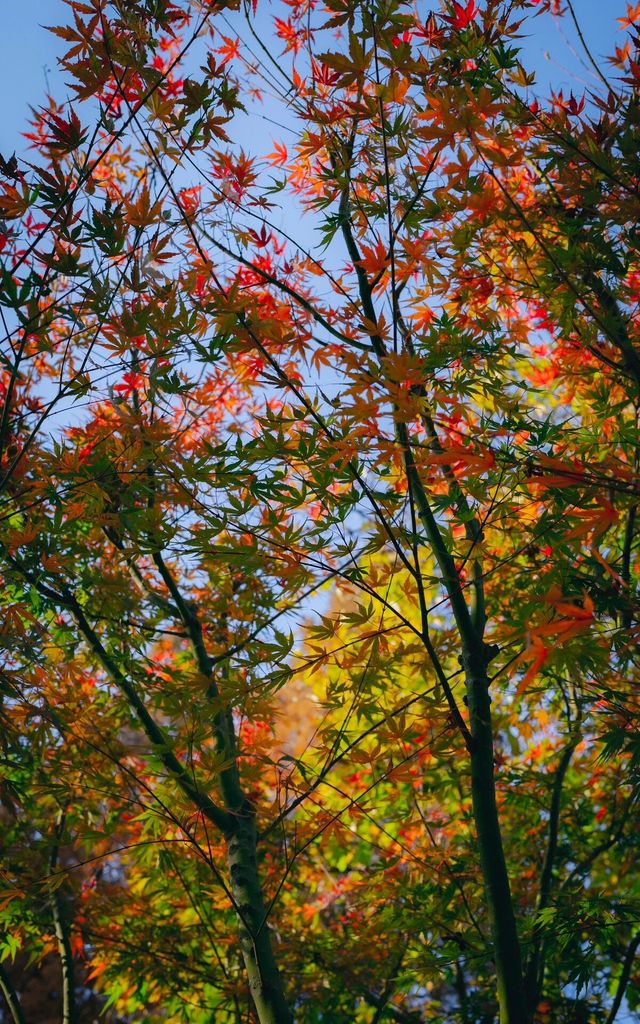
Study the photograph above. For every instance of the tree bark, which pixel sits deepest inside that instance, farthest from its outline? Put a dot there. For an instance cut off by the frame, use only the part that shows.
(506, 944)
(265, 983)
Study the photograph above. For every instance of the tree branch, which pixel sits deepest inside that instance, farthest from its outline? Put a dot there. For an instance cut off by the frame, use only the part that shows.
(623, 980)
(11, 996)
(63, 938)
(534, 970)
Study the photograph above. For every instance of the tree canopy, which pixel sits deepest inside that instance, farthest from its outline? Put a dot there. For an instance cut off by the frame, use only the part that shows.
(319, 540)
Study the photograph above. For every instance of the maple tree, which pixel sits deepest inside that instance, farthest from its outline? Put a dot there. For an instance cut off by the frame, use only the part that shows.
(319, 533)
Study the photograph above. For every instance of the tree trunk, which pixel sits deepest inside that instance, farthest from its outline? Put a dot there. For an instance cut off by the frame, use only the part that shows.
(265, 983)
(508, 960)
(506, 945)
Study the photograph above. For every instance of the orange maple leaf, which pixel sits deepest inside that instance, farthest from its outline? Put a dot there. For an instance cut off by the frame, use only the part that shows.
(279, 156)
(633, 16)
(375, 260)
(574, 619)
(457, 456)
(566, 474)
(594, 521)
(230, 50)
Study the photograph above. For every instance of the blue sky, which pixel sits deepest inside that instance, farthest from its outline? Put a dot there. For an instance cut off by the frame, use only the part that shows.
(28, 53)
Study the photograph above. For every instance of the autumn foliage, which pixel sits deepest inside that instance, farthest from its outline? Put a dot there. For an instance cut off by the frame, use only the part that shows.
(319, 539)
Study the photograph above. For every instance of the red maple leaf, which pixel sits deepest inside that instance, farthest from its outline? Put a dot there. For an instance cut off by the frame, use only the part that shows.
(130, 382)
(462, 16)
